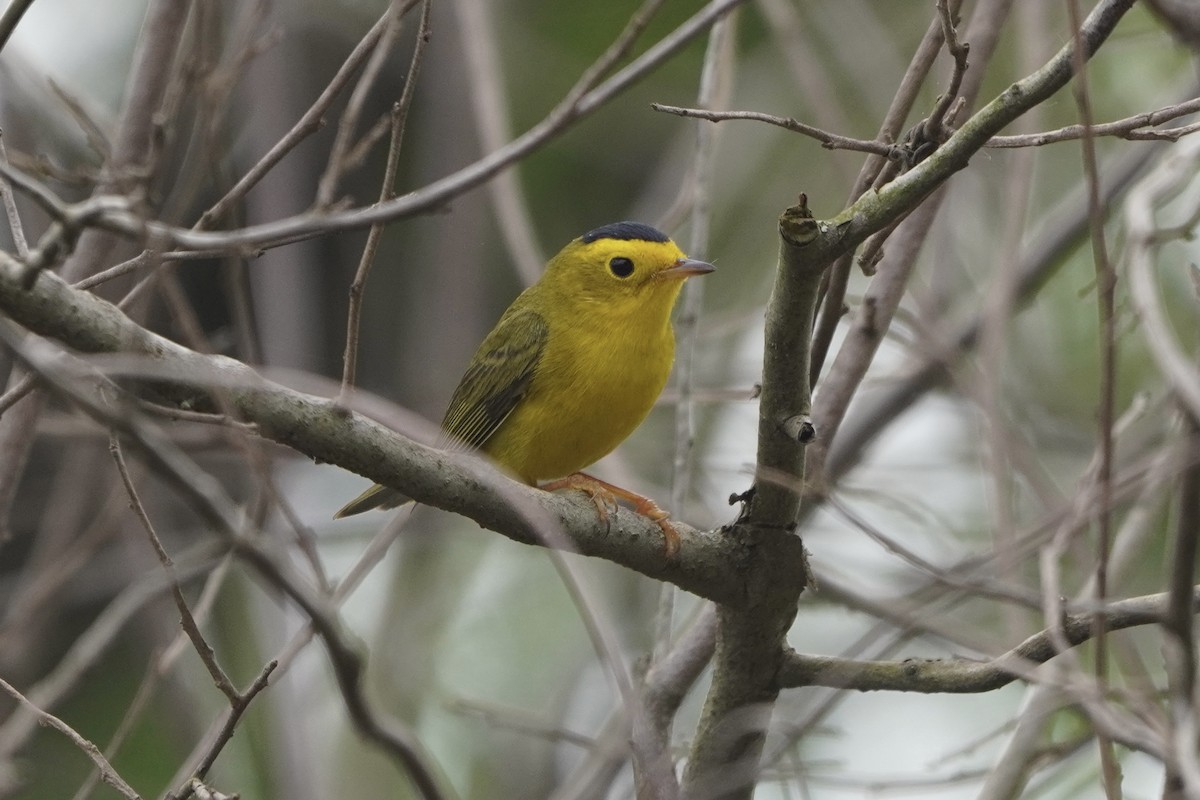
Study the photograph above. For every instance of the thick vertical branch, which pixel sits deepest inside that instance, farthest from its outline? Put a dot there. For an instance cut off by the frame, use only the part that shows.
(784, 427)
(750, 638)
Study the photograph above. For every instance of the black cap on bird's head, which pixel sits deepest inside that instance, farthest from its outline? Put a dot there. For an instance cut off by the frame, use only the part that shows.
(625, 231)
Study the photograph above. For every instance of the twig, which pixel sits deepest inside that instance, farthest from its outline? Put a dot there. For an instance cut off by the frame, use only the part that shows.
(12, 17)
(479, 31)
(1106, 280)
(286, 656)
(653, 765)
(519, 721)
(89, 646)
(387, 191)
(929, 369)
(238, 705)
(309, 123)
(107, 773)
(833, 289)
(1178, 619)
(22, 387)
(959, 676)
(940, 121)
(664, 688)
(1172, 361)
(211, 503)
(327, 185)
(10, 206)
(1181, 375)
(830, 141)
(1127, 128)
(96, 138)
(588, 95)
(188, 622)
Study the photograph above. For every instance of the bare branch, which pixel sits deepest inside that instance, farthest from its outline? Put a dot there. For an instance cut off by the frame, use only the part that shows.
(12, 18)
(960, 676)
(830, 141)
(1131, 128)
(209, 500)
(338, 161)
(589, 95)
(107, 773)
(387, 191)
(309, 123)
(311, 425)
(203, 648)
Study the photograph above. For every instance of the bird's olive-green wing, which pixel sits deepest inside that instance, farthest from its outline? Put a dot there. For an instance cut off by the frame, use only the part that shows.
(496, 379)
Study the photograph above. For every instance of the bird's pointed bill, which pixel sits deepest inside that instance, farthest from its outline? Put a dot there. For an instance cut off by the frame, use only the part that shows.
(686, 267)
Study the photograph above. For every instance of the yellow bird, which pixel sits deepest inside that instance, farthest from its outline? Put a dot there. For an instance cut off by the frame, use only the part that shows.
(572, 367)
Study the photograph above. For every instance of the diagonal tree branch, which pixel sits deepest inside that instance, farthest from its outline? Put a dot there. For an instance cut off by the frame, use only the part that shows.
(314, 427)
(962, 676)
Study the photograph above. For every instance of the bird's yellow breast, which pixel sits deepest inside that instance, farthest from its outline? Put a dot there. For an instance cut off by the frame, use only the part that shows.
(596, 381)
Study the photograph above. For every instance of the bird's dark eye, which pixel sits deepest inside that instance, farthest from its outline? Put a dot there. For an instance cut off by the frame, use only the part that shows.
(621, 267)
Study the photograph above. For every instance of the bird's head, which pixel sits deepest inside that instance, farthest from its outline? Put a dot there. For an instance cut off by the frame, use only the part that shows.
(624, 264)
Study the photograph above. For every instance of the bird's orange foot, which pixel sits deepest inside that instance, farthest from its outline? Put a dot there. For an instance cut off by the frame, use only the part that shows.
(604, 494)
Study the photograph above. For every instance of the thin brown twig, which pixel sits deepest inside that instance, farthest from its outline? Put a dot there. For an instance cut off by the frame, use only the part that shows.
(479, 31)
(107, 773)
(238, 705)
(23, 386)
(133, 711)
(590, 93)
(92, 643)
(943, 113)
(833, 290)
(1106, 280)
(146, 259)
(1179, 370)
(519, 721)
(94, 135)
(210, 501)
(387, 191)
(357, 154)
(1177, 620)
(830, 141)
(309, 123)
(958, 676)
(1127, 128)
(371, 556)
(186, 620)
(343, 139)
(653, 765)
(10, 208)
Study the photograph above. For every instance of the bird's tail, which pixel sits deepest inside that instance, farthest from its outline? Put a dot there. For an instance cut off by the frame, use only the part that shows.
(375, 497)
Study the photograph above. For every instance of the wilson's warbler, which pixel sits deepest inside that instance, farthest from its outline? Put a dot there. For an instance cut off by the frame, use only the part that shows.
(572, 367)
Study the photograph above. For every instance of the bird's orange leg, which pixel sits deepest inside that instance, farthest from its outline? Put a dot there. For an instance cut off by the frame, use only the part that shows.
(604, 494)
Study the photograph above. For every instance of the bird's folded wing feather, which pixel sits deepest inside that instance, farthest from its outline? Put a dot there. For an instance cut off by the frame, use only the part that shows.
(496, 380)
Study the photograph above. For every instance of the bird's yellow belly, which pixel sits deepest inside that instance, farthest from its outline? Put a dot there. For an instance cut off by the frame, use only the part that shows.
(579, 409)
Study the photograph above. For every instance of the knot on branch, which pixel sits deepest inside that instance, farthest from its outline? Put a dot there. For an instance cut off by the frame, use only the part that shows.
(799, 428)
(796, 224)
